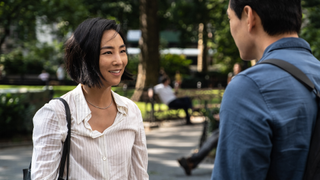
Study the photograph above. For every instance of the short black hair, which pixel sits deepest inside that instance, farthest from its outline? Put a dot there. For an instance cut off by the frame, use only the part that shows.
(277, 16)
(82, 51)
(164, 78)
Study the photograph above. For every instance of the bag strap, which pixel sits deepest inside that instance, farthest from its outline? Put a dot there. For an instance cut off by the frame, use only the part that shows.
(66, 146)
(312, 167)
(293, 70)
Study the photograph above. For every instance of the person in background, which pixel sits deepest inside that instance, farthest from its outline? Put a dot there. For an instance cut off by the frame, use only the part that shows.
(191, 162)
(60, 74)
(108, 138)
(177, 80)
(266, 115)
(44, 76)
(168, 97)
(162, 73)
(236, 70)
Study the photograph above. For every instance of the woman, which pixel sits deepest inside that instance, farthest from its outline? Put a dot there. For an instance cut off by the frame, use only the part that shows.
(107, 137)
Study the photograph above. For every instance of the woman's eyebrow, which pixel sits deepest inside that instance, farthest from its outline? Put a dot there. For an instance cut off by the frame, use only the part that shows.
(107, 47)
(111, 47)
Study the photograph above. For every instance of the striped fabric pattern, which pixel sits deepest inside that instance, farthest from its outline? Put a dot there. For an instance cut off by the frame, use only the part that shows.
(118, 153)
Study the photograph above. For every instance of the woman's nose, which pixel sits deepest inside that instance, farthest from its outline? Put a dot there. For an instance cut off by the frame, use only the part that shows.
(117, 59)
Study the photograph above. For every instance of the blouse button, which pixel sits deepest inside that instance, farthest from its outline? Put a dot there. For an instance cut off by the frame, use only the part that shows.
(104, 158)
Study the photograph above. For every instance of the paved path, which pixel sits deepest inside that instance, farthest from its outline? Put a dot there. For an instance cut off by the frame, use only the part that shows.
(165, 144)
(13, 160)
(170, 142)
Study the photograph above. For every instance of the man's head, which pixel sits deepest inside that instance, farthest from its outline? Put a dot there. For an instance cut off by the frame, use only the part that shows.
(277, 16)
(255, 24)
(165, 80)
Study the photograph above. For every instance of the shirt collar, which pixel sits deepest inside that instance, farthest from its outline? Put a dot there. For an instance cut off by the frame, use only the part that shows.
(286, 43)
(83, 111)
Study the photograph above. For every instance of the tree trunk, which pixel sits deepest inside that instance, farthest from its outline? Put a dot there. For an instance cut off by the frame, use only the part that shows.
(205, 49)
(148, 70)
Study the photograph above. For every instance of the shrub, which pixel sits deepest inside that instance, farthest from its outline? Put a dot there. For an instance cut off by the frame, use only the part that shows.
(16, 116)
(13, 62)
(33, 59)
(172, 62)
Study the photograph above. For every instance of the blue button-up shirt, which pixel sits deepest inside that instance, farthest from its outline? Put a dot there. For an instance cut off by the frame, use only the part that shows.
(267, 116)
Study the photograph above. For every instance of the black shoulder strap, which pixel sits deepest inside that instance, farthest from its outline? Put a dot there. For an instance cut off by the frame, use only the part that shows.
(66, 146)
(293, 70)
(312, 171)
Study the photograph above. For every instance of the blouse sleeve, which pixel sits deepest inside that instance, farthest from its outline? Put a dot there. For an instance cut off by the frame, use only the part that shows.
(48, 137)
(139, 153)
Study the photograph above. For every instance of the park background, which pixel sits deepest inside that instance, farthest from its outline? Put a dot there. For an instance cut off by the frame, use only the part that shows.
(191, 36)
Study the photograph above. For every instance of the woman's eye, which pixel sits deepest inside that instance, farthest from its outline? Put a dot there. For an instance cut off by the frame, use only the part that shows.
(108, 52)
(123, 51)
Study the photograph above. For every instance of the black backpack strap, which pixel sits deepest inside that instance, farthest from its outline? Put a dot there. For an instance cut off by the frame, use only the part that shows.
(66, 146)
(312, 171)
(293, 70)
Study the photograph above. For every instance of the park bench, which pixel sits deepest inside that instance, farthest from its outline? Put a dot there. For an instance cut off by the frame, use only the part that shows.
(201, 99)
(27, 79)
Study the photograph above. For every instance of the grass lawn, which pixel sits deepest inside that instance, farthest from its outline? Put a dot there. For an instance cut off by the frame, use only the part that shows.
(60, 90)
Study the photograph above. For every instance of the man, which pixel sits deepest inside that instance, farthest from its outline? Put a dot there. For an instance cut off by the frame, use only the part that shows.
(266, 115)
(166, 95)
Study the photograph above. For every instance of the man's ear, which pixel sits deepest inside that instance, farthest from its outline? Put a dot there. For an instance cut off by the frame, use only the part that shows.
(250, 16)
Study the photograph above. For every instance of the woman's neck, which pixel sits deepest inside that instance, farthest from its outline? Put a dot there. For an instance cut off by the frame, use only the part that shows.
(98, 96)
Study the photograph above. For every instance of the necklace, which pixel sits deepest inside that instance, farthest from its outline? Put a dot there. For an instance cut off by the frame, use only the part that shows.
(98, 106)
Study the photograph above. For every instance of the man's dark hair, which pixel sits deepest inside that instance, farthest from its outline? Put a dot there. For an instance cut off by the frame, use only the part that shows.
(82, 51)
(163, 79)
(277, 16)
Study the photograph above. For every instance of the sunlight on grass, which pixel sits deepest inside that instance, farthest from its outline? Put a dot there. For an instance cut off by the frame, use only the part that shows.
(61, 90)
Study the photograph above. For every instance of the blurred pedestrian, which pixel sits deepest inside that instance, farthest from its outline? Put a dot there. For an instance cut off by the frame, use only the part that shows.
(236, 70)
(44, 76)
(191, 162)
(177, 80)
(60, 74)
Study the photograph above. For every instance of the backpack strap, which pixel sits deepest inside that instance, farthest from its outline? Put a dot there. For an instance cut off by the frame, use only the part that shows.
(66, 146)
(294, 71)
(312, 169)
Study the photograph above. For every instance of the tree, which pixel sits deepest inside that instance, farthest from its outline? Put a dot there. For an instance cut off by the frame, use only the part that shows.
(311, 26)
(185, 16)
(17, 19)
(148, 69)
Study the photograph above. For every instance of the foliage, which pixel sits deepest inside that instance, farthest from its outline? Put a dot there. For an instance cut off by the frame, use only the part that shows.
(44, 56)
(172, 62)
(17, 17)
(15, 115)
(311, 26)
(13, 62)
(185, 17)
(38, 57)
(132, 65)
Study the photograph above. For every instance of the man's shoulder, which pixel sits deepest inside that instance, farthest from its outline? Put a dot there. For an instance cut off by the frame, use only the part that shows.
(158, 86)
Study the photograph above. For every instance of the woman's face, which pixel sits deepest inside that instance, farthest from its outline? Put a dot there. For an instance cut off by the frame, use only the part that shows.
(113, 58)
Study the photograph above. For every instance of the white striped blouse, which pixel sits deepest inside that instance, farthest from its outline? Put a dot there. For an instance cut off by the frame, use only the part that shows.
(119, 153)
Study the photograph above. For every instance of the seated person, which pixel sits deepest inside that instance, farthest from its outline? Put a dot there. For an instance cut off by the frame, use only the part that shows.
(166, 95)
